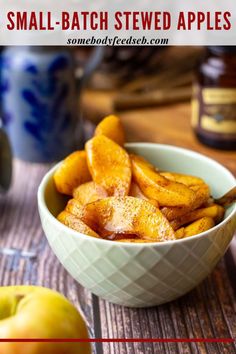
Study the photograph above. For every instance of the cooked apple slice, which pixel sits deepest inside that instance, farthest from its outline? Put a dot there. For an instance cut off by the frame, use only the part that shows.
(75, 208)
(157, 187)
(202, 193)
(136, 192)
(201, 196)
(179, 233)
(76, 224)
(127, 215)
(188, 180)
(109, 165)
(173, 213)
(112, 128)
(215, 211)
(199, 226)
(72, 172)
(89, 192)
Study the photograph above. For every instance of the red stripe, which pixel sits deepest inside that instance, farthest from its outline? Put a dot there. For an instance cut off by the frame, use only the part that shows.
(121, 340)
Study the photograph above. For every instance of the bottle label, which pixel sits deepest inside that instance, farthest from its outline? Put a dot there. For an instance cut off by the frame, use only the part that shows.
(214, 110)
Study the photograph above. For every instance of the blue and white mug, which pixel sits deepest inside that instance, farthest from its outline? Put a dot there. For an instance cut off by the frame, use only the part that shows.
(40, 96)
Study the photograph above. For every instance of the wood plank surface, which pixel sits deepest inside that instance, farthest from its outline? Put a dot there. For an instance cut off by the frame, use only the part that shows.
(25, 258)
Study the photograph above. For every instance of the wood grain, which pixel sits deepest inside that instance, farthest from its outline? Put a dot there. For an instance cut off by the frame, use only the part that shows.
(25, 258)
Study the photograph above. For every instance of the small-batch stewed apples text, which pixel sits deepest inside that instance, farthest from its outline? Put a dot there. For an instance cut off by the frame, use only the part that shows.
(122, 197)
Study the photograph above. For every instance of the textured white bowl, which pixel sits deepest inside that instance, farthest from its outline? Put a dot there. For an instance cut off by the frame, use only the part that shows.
(142, 275)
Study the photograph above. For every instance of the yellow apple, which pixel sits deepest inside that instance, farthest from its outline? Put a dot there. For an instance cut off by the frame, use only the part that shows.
(36, 312)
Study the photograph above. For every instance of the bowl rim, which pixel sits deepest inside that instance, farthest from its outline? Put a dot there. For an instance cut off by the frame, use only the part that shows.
(76, 234)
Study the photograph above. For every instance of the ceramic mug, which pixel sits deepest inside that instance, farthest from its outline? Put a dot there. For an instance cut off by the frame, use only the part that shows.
(40, 96)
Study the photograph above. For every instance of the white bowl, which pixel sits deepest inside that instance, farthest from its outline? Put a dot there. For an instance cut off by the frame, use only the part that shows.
(142, 275)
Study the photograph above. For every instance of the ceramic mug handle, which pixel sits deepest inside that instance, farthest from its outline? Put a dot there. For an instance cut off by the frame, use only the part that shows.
(95, 59)
(5, 160)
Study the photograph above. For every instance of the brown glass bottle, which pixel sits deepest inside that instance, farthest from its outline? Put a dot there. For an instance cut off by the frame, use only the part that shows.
(214, 98)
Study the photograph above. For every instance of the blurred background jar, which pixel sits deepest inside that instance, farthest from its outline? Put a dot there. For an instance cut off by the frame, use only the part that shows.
(214, 100)
(40, 101)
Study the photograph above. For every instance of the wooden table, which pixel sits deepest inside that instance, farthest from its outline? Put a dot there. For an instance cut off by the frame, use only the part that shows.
(208, 311)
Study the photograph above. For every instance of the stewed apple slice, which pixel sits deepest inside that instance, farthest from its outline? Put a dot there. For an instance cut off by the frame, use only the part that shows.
(109, 165)
(214, 211)
(89, 192)
(155, 186)
(179, 233)
(201, 196)
(188, 180)
(72, 172)
(76, 224)
(136, 192)
(196, 227)
(127, 215)
(112, 128)
(74, 207)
